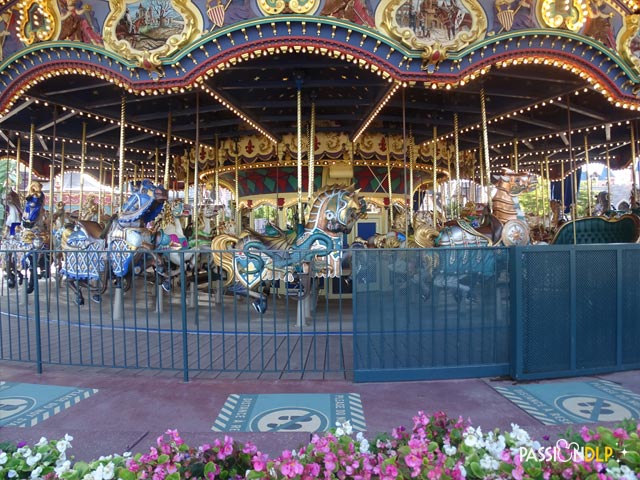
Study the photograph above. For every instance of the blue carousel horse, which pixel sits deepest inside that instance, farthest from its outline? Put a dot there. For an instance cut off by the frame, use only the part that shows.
(252, 261)
(26, 242)
(93, 254)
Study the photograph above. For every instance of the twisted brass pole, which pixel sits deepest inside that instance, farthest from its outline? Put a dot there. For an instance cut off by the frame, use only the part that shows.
(485, 144)
(123, 105)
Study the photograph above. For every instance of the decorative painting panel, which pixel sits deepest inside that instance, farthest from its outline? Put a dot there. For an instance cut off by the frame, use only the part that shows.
(434, 26)
(146, 30)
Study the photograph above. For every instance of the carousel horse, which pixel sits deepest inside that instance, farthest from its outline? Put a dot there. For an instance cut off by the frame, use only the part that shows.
(92, 254)
(505, 226)
(26, 238)
(173, 238)
(207, 212)
(253, 260)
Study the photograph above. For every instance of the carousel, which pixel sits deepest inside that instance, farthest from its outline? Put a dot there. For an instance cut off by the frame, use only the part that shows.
(282, 134)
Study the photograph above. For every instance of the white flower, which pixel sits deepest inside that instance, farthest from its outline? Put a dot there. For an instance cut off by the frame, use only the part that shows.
(520, 436)
(43, 441)
(36, 472)
(463, 471)
(33, 459)
(23, 451)
(62, 467)
(12, 474)
(495, 446)
(489, 463)
(364, 446)
(108, 471)
(449, 450)
(3, 458)
(63, 444)
(473, 437)
(621, 473)
(339, 432)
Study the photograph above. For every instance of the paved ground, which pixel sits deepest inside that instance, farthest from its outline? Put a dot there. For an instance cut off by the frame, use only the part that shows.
(131, 408)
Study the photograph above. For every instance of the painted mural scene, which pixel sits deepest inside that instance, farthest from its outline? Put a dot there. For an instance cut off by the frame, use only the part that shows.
(353, 190)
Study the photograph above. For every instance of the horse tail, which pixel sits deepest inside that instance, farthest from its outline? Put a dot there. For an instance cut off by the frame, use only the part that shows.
(221, 256)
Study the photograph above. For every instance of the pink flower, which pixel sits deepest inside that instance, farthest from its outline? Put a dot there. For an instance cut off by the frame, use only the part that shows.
(620, 434)
(259, 462)
(291, 469)
(585, 434)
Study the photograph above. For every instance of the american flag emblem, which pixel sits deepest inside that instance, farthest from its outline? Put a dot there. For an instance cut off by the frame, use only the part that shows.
(216, 15)
(505, 17)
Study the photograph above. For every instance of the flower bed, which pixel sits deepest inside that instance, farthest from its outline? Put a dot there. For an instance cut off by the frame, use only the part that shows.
(436, 447)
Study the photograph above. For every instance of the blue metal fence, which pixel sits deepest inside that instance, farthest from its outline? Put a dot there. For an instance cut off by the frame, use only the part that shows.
(575, 310)
(439, 313)
(530, 312)
(193, 329)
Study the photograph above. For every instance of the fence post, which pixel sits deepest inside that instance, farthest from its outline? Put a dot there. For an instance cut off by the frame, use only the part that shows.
(515, 308)
(36, 308)
(183, 312)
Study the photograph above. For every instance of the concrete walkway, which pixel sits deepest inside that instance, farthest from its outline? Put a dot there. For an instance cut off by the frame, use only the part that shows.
(131, 409)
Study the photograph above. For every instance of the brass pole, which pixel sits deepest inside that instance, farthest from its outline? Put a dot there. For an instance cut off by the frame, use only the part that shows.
(633, 161)
(456, 140)
(299, 132)
(547, 189)
(113, 179)
(448, 186)
(186, 178)
(196, 183)
(562, 185)
(18, 164)
(83, 159)
(412, 164)
(167, 154)
(609, 178)
(100, 192)
(515, 155)
(32, 144)
(157, 158)
(485, 144)
(434, 150)
(217, 180)
(62, 171)
(389, 179)
(312, 145)
(121, 151)
(586, 158)
(237, 190)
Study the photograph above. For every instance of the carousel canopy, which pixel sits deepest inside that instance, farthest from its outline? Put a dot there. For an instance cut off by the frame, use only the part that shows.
(549, 93)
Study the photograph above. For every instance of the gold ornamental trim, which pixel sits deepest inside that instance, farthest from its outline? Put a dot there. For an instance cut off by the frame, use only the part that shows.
(437, 29)
(629, 41)
(126, 32)
(38, 21)
(276, 7)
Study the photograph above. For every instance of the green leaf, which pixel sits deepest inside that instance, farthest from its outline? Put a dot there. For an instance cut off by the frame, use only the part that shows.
(631, 458)
(210, 467)
(253, 474)
(173, 476)
(163, 459)
(476, 470)
(126, 474)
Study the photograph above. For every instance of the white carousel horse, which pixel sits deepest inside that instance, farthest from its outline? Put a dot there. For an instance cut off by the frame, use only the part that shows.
(27, 237)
